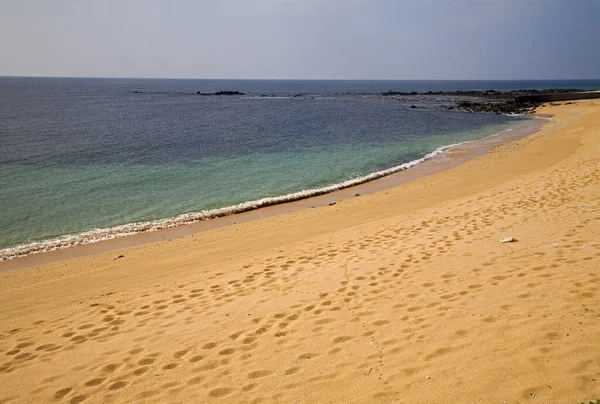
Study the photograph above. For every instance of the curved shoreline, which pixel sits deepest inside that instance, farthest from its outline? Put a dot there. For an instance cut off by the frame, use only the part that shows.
(98, 235)
(410, 285)
(438, 160)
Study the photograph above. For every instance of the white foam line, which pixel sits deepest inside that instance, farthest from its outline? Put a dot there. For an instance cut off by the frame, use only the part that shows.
(97, 235)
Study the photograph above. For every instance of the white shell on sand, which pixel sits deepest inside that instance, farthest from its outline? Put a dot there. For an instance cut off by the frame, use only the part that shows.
(509, 240)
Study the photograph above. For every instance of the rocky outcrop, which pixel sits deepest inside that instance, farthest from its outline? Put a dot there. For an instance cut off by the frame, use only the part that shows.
(221, 93)
(489, 101)
(488, 94)
(503, 107)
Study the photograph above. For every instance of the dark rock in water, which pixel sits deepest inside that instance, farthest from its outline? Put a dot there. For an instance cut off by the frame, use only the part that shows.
(229, 93)
(413, 106)
(489, 101)
(221, 93)
(494, 107)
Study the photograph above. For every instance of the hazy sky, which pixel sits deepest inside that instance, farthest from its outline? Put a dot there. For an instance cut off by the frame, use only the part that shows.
(335, 39)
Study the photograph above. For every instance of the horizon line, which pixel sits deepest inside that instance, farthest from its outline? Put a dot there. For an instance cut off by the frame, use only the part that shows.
(284, 79)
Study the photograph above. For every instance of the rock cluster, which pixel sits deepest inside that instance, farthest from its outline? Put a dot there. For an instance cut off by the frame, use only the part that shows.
(502, 107)
(221, 93)
(488, 94)
(489, 101)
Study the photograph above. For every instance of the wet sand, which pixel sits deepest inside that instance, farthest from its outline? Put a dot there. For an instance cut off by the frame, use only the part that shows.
(403, 295)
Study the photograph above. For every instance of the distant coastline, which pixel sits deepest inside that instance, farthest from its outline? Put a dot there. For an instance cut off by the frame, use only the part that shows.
(510, 102)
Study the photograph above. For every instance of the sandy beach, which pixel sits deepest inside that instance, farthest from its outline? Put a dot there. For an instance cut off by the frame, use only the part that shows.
(405, 295)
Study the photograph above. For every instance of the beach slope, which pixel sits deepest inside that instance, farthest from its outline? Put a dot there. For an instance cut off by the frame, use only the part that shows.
(402, 296)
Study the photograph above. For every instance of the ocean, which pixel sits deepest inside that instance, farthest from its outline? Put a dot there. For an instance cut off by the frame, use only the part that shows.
(88, 159)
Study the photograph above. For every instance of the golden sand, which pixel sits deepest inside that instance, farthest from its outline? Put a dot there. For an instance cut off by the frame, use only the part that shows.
(403, 296)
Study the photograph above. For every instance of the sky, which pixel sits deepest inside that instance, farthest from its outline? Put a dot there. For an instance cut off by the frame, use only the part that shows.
(302, 39)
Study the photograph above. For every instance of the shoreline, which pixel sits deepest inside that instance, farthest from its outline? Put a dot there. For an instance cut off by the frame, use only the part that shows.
(403, 295)
(120, 236)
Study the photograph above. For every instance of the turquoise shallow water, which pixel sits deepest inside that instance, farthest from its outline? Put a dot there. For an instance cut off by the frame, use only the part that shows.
(77, 157)
(115, 194)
